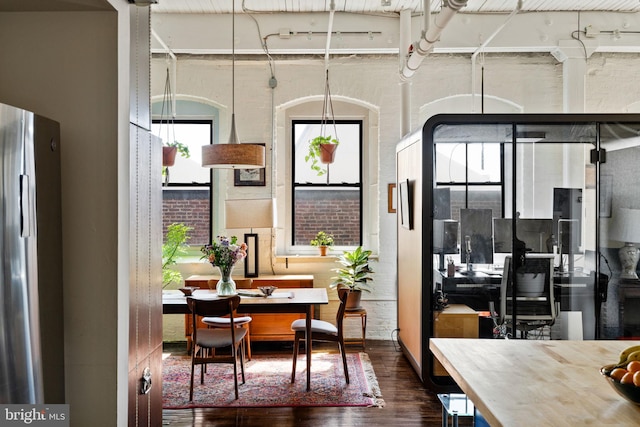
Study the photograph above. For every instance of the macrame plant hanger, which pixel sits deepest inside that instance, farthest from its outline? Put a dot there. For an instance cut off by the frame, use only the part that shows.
(327, 108)
(167, 100)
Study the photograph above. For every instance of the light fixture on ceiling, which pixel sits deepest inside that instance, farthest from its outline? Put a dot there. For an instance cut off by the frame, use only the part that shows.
(233, 154)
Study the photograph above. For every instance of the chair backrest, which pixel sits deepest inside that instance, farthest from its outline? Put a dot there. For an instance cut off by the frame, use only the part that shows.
(243, 283)
(343, 294)
(534, 283)
(218, 307)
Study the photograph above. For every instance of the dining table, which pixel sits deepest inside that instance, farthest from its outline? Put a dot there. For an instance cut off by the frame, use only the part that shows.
(293, 300)
(539, 383)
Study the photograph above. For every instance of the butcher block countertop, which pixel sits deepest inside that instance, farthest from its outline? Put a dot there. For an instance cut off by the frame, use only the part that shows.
(538, 383)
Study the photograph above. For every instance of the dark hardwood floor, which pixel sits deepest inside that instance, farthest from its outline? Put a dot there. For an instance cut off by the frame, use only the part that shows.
(407, 401)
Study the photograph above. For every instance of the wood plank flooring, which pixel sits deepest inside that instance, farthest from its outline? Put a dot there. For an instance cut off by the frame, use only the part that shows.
(407, 401)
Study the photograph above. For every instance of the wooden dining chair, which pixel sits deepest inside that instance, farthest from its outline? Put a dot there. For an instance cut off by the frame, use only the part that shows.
(206, 339)
(239, 321)
(323, 331)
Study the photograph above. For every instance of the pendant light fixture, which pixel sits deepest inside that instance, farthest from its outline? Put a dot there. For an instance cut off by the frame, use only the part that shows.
(233, 154)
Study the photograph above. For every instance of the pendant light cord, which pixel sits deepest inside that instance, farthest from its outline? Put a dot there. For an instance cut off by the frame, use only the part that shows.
(233, 58)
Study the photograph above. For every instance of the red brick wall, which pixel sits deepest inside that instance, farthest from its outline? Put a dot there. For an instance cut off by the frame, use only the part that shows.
(190, 207)
(335, 211)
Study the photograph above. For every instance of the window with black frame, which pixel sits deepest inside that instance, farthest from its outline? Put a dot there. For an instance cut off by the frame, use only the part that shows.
(327, 196)
(186, 195)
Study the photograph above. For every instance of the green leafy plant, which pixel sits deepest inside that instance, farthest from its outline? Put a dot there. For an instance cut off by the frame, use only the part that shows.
(314, 153)
(174, 246)
(355, 271)
(322, 239)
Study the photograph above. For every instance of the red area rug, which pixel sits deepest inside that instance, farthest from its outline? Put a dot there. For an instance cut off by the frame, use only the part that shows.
(268, 383)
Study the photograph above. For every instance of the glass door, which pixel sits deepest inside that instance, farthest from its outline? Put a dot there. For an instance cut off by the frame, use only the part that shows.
(619, 220)
(548, 232)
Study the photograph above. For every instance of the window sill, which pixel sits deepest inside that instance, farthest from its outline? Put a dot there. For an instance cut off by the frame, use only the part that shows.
(299, 259)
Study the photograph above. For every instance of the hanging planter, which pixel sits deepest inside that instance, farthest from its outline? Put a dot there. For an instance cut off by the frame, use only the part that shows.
(169, 155)
(327, 153)
(322, 148)
(171, 147)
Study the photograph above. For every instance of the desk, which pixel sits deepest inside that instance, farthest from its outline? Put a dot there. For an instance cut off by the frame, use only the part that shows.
(173, 302)
(574, 292)
(538, 383)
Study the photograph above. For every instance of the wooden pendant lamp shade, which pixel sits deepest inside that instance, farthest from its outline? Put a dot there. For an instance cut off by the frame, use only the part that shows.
(233, 155)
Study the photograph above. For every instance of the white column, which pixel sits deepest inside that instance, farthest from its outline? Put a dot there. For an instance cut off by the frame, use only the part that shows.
(573, 55)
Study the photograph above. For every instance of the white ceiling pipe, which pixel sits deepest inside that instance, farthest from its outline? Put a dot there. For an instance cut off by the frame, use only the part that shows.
(424, 45)
(405, 86)
(481, 48)
(329, 31)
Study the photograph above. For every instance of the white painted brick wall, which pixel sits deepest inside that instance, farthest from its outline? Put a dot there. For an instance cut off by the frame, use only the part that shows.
(534, 81)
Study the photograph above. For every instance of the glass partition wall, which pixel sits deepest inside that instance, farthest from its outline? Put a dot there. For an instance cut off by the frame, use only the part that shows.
(524, 189)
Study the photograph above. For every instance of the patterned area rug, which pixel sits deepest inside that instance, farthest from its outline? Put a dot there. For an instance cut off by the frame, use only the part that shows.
(268, 383)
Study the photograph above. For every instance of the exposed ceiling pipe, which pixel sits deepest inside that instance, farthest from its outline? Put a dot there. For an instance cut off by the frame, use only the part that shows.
(424, 45)
(481, 48)
(329, 32)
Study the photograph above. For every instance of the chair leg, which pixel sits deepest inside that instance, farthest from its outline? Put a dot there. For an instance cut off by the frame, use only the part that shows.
(344, 360)
(242, 364)
(234, 354)
(192, 373)
(296, 342)
(248, 343)
(203, 367)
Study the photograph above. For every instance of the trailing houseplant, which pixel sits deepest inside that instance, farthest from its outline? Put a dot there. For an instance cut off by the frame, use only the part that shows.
(354, 274)
(174, 246)
(321, 150)
(323, 240)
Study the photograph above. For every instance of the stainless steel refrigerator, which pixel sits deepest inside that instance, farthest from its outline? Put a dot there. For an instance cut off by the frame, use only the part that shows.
(31, 314)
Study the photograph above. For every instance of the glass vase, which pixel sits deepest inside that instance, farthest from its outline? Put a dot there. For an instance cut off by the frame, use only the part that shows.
(226, 286)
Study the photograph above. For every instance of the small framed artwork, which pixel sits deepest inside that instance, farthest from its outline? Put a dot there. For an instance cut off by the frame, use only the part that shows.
(391, 198)
(249, 177)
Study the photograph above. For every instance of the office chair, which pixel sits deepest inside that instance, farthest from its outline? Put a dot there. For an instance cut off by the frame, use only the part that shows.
(535, 302)
(206, 339)
(323, 331)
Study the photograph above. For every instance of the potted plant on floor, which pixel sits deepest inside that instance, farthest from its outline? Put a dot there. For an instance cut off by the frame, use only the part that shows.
(354, 274)
(323, 240)
(174, 246)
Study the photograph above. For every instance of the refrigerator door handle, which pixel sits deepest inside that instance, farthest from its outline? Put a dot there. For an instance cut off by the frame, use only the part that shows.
(25, 223)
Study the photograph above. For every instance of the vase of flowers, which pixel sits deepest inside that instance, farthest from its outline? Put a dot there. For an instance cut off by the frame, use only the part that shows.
(224, 253)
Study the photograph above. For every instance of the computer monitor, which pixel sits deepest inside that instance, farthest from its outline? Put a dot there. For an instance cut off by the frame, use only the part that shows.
(535, 232)
(567, 204)
(476, 235)
(445, 238)
(442, 203)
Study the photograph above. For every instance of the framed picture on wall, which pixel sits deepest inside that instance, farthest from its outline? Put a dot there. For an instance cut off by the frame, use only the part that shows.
(249, 177)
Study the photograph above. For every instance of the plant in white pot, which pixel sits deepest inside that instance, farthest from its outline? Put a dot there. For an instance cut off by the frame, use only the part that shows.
(354, 274)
